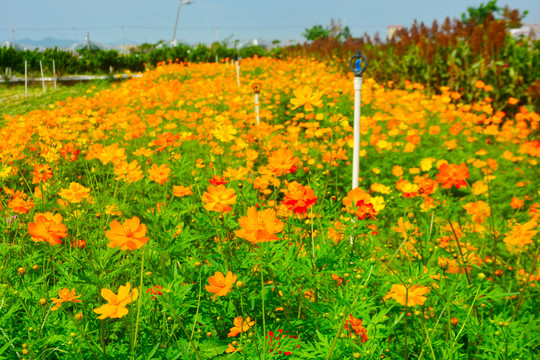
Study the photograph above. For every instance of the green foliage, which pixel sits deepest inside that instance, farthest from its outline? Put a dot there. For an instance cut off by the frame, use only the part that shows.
(317, 32)
(480, 13)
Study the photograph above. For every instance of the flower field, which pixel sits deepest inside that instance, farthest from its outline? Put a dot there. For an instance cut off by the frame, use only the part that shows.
(156, 219)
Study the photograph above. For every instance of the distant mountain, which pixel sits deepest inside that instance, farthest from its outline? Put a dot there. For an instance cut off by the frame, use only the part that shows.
(48, 42)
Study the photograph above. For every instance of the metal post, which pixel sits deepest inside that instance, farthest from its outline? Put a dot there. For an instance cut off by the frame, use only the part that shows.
(25, 78)
(238, 72)
(54, 74)
(42, 78)
(180, 2)
(358, 65)
(256, 89)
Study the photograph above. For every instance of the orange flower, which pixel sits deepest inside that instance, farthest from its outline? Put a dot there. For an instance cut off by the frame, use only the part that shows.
(181, 191)
(282, 162)
(479, 211)
(129, 235)
(159, 174)
(259, 226)
(305, 96)
(512, 101)
(128, 172)
(47, 227)
(520, 235)
(221, 285)
(116, 308)
(230, 349)
(65, 296)
(19, 205)
(298, 197)
(517, 203)
(112, 153)
(41, 173)
(219, 198)
(240, 326)
(356, 325)
(75, 193)
(414, 297)
(479, 84)
(453, 175)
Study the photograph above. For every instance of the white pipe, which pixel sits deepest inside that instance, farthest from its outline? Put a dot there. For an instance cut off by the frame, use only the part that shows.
(356, 148)
(54, 74)
(42, 77)
(257, 107)
(25, 78)
(238, 72)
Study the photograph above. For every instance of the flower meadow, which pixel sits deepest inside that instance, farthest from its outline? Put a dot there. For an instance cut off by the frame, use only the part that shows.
(156, 219)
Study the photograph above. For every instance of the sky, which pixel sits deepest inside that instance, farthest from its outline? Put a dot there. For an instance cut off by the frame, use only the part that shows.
(205, 21)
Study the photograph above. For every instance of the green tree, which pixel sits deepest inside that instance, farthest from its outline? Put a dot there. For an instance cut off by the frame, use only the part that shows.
(317, 32)
(480, 13)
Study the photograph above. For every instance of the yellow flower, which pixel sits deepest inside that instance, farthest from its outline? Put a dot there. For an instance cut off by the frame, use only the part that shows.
(116, 308)
(305, 96)
(75, 193)
(415, 295)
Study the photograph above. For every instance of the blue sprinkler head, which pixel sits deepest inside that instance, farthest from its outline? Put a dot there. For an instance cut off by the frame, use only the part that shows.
(358, 63)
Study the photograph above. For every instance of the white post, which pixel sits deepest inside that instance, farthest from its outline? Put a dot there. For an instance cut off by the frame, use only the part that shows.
(257, 106)
(356, 148)
(25, 78)
(54, 73)
(238, 72)
(42, 78)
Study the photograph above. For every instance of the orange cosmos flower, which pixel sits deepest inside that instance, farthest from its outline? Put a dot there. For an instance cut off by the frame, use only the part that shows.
(219, 198)
(413, 298)
(159, 174)
(365, 210)
(19, 205)
(75, 193)
(129, 235)
(41, 173)
(298, 197)
(112, 153)
(240, 326)
(128, 172)
(356, 325)
(453, 175)
(181, 191)
(47, 227)
(65, 296)
(512, 101)
(259, 226)
(221, 285)
(520, 235)
(116, 308)
(305, 96)
(479, 211)
(282, 162)
(479, 84)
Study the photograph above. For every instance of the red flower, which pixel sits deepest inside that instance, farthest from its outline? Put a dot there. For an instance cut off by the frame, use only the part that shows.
(218, 180)
(356, 325)
(365, 211)
(275, 342)
(453, 175)
(298, 197)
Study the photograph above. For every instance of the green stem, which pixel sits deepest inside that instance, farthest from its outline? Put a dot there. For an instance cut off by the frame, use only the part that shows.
(139, 305)
(336, 337)
(263, 309)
